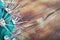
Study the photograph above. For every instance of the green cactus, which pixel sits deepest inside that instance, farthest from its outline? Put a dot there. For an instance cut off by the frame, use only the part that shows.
(7, 17)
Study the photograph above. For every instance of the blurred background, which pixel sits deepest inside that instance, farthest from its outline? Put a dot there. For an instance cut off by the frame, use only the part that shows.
(38, 19)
